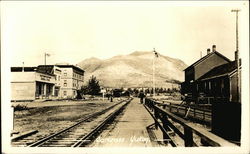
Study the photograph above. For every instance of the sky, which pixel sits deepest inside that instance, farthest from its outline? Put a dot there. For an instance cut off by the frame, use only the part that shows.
(73, 31)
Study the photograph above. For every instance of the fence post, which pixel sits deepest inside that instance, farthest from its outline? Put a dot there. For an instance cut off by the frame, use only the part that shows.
(185, 110)
(156, 114)
(164, 106)
(194, 112)
(165, 123)
(188, 137)
(204, 115)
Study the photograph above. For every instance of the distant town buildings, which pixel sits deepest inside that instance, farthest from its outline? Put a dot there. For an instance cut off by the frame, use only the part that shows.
(45, 82)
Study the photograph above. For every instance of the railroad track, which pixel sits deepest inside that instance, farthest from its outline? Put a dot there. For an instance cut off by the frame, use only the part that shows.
(84, 131)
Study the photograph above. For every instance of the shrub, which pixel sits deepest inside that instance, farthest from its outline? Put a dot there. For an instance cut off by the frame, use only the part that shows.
(20, 107)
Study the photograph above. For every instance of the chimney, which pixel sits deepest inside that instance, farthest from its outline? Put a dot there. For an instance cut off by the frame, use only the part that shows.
(208, 51)
(214, 48)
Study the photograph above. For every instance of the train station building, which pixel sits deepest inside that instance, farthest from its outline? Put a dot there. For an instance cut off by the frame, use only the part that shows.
(212, 76)
(215, 80)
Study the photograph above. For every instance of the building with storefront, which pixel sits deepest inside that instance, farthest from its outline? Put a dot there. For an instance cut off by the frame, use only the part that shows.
(72, 78)
(30, 83)
(52, 69)
(45, 82)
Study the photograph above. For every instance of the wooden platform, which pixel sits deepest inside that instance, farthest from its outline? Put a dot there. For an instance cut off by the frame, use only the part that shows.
(129, 130)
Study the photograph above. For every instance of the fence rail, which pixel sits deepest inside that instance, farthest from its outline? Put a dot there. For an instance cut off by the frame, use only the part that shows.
(162, 119)
(202, 115)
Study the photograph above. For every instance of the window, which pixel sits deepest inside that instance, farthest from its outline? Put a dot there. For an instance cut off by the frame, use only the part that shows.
(65, 74)
(222, 83)
(64, 93)
(65, 83)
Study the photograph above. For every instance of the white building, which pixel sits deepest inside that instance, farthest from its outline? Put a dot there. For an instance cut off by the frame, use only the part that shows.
(72, 78)
(30, 83)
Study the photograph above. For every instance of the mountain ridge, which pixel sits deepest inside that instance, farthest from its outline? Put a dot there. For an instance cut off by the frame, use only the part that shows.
(134, 70)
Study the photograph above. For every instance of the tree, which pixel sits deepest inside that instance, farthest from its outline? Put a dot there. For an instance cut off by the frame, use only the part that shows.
(84, 90)
(93, 86)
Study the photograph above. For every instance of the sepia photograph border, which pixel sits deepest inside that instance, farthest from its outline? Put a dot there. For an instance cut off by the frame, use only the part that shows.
(6, 110)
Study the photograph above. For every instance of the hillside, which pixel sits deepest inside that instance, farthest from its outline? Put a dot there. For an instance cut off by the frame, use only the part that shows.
(134, 70)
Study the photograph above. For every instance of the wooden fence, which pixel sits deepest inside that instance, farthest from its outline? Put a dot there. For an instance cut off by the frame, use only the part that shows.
(162, 120)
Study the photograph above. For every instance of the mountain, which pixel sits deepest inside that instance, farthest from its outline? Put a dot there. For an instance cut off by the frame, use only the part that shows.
(134, 70)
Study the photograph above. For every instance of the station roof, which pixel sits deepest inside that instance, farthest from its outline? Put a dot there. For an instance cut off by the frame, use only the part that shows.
(205, 57)
(219, 71)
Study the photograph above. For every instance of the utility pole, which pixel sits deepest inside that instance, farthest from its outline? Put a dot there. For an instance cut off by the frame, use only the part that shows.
(23, 67)
(45, 54)
(154, 74)
(237, 52)
(155, 56)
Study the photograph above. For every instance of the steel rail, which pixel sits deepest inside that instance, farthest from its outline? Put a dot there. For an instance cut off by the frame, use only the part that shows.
(39, 142)
(87, 138)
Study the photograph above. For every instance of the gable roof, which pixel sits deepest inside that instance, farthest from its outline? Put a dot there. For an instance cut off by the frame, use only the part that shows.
(71, 66)
(47, 69)
(219, 71)
(205, 57)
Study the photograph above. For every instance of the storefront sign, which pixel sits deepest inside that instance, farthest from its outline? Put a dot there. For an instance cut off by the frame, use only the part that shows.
(45, 78)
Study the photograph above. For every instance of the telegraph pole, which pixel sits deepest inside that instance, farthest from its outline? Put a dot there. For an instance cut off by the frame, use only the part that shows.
(237, 53)
(154, 75)
(45, 58)
(23, 67)
(45, 54)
